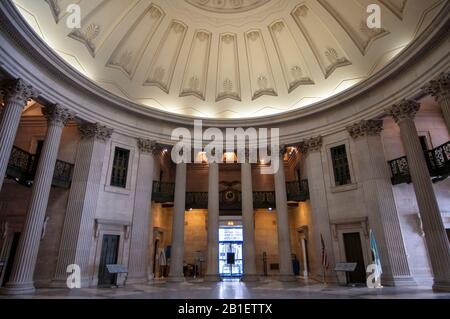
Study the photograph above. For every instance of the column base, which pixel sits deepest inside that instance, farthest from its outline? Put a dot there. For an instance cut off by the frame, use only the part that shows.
(441, 286)
(286, 278)
(62, 283)
(136, 281)
(18, 289)
(399, 281)
(212, 278)
(176, 278)
(250, 278)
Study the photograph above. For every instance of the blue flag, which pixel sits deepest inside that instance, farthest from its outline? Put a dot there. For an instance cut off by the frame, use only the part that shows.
(376, 255)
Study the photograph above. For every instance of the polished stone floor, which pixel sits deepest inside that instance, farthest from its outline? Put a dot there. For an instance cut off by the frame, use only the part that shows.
(268, 289)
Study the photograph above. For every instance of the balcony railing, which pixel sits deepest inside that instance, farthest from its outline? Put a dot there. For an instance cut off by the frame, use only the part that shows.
(163, 192)
(297, 191)
(22, 168)
(230, 199)
(438, 163)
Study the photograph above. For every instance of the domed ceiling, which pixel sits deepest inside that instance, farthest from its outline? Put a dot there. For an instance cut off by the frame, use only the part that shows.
(228, 58)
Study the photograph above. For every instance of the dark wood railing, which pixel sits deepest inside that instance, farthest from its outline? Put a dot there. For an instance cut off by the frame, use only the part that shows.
(163, 192)
(22, 168)
(230, 199)
(297, 191)
(438, 162)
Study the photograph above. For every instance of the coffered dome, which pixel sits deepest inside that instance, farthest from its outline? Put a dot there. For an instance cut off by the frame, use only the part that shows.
(228, 58)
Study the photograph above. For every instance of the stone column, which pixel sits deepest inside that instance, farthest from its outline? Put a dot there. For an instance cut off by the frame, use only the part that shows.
(177, 254)
(21, 280)
(320, 217)
(78, 229)
(379, 200)
(435, 235)
(212, 271)
(284, 240)
(138, 263)
(15, 96)
(248, 220)
(440, 90)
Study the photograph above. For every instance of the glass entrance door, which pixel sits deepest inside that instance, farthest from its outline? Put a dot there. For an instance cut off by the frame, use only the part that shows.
(231, 262)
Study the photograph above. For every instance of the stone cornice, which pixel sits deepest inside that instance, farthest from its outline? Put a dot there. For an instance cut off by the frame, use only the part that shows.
(404, 110)
(366, 128)
(57, 115)
(18, 91)
(95, 130)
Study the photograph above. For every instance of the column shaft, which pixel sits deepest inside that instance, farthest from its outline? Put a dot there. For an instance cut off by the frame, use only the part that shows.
(212, 272)
(177, 254)
(319, 211)
(284, 241)
(78, 229)
(137, 270)
(435, 235)
(21, 280)
(249, 223)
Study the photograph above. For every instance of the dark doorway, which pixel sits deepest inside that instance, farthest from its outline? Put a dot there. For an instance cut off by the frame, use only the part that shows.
(423, 143)
(110, 248)
(354, 254)
(12, 255)
(307, 256)
(448, 234)
(155, 252)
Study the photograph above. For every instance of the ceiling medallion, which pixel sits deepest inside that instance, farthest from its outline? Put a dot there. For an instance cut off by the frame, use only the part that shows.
(227, 6)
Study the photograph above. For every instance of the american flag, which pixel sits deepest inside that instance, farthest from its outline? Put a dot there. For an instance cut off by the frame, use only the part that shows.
(325, 263)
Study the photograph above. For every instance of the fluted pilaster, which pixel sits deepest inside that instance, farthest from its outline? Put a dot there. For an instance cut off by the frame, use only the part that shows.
(177, 253)
(284, 241)
(320, 217)
(435, 235)
(212, 271)
(78, 229)
(138, 263)
(21, 280)
(380, 203)
(439, 88)
(248, 222)
(16, 93)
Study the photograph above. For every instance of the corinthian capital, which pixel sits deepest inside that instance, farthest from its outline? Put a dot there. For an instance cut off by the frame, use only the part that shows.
(311, 145)
(149, 146)
(56, 114)
(95, 130)
(404, 110)
(440, 87)
(17, 91)
(366, 128)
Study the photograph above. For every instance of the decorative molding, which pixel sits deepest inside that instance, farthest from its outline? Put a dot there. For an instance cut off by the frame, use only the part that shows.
(149, 146)
(439, 88)
(404, 110)
(99, 223)
(4, 228)
(262, 81)
(95, 130)
(196, 72)
(56, 114)
(17, 91)
(311, 145)
(326, 49)
(44, 227)
(227, 6)
(366, 128)
(295, 68)
(166, 57)
(363, 222)
(228, 71)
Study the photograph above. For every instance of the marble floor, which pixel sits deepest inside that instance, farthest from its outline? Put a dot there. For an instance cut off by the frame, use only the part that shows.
(267, 289)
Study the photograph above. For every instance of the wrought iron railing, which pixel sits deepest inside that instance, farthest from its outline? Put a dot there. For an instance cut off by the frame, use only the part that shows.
(22, 167)
(297, 191)
(438, 162)
(163, 192)
(264, 200)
